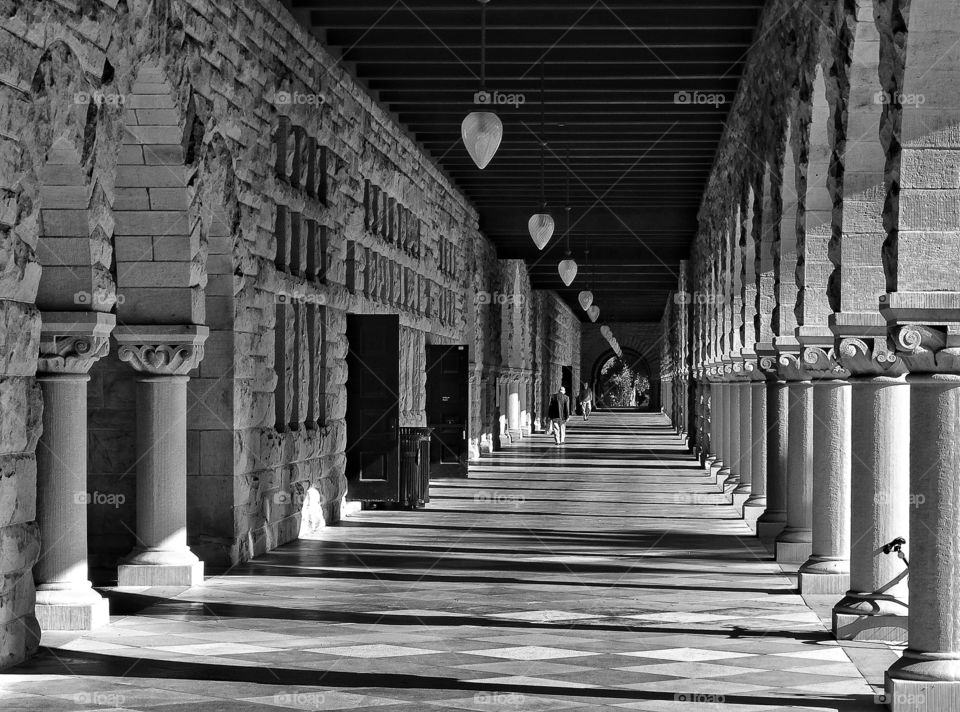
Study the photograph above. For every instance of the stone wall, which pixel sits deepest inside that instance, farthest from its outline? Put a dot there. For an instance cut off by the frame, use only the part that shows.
(192, 163)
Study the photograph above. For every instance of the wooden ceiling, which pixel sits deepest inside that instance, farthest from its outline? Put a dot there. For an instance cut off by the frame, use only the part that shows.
(635, 96)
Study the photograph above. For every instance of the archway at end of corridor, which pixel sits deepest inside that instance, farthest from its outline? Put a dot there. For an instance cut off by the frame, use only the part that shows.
(622, 383)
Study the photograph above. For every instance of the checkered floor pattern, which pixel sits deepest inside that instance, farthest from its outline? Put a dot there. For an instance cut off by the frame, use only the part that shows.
(606, 573)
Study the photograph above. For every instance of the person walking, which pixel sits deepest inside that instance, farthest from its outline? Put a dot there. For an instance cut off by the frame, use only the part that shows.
(559, 414)
(586, 400)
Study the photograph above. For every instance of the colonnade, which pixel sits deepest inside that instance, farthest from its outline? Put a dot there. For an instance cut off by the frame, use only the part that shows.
(819, 328)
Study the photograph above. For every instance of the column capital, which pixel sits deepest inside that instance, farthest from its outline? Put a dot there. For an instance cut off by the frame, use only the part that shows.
(820, 363)
(927, 349)
(161, 350)
(869, 356)
(71, 342)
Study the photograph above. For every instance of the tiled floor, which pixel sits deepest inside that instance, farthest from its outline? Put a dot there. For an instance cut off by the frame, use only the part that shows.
(603, 574)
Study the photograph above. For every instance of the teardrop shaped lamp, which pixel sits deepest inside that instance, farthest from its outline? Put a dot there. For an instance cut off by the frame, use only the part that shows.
(593, 312)
(568, 271)
(541, 227)
(482, 132)
(585, 298)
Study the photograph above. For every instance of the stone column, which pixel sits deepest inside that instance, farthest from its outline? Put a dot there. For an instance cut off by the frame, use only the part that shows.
(876, 604)
(733, 431)
(757, 501)
(828, 568)
(164, 355)
(793, 544)
(927, 676)
(745, 445)
(513, 408)
(70, 343)
(721, 420)
(774, 518)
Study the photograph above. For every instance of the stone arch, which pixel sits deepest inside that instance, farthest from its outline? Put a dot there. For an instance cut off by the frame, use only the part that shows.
(633, 358)
(160, 256)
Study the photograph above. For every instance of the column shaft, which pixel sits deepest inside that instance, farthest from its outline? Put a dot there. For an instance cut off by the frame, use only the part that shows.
(793, 543)
(880, 507)
(65, 598)
(773, 520)
(162, 556)
(745, 434)
(930, 666)
(828, 568)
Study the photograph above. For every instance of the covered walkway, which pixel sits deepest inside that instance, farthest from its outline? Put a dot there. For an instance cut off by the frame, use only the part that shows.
(607, 573)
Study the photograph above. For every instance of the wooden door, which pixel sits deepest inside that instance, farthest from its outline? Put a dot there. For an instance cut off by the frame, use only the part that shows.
(373, 407)
(447, 408)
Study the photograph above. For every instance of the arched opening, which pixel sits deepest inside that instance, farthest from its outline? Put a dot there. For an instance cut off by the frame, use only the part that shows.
(622, 383)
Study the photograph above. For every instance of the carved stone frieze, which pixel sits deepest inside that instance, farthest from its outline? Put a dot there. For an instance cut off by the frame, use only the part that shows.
(71, 342)
(161, 350)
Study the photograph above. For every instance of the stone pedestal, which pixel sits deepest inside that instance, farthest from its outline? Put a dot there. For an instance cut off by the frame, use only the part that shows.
(70, 344)
(774, 518)
(828, 568)
(164, 356)
(927, 677)
(793, 544)
(876, 604)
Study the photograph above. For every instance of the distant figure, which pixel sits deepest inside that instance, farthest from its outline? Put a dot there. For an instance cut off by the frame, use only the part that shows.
(586, 400)
(559, 414)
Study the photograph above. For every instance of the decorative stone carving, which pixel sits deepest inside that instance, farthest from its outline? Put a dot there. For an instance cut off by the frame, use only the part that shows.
(161, 350)
(924, 349)
(869, 356)
(71, 342)
(821, 362)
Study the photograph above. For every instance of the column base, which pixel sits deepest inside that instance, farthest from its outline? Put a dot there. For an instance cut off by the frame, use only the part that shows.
(872, 629)
(816, 583)
(739, 499)
(751, 514)
(83, 609)
(920, 695)
(871, 618)
(160, 574)
(792, 552)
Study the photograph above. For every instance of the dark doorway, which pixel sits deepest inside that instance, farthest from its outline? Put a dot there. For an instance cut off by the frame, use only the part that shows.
(373, 407)
(447, 409)
(566, 380)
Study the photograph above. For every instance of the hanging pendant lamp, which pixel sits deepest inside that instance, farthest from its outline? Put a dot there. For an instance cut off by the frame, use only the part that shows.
(568, 267)
(593, 312)
(541, 225)
(586, 296)
(482, 131)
